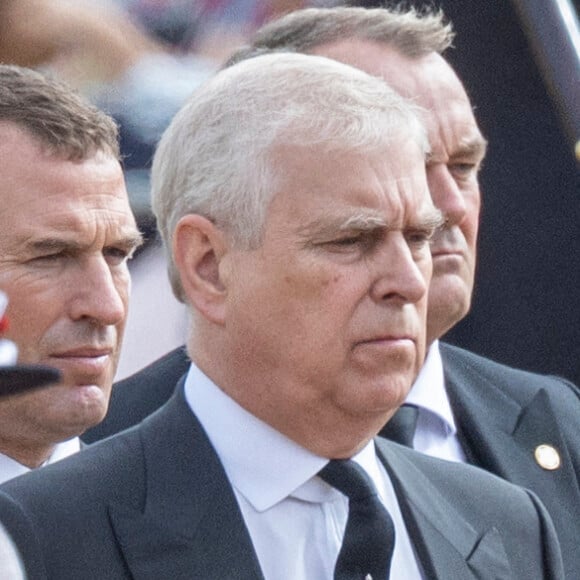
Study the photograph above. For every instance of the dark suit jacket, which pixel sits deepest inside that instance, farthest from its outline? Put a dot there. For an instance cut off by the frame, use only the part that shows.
(154, 502)
(503, 414)
(139, 395)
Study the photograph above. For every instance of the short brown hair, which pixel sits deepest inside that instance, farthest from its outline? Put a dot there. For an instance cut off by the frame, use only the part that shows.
(55, 114)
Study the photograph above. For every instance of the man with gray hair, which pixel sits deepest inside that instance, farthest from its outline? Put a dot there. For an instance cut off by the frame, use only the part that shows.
(291, 191)
(518, 425)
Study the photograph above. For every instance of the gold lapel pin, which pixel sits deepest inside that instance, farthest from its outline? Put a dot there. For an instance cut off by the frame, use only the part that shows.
(547, 457)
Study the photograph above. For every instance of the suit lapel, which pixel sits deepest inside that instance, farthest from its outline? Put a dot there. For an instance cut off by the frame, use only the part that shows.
(502, 439)
(447, 545)
(189, 524)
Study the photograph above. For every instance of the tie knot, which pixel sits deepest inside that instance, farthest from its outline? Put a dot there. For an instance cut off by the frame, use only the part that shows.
(349, 478)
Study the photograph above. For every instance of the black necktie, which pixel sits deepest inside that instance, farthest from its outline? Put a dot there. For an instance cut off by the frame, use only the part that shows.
(402, 425)
(369, 536)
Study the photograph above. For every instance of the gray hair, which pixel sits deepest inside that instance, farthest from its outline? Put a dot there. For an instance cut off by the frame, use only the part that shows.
(54, 114)
(215, 159)
(411, 32)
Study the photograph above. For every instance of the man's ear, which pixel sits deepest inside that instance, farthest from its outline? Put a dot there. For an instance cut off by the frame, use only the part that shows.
(198, 248)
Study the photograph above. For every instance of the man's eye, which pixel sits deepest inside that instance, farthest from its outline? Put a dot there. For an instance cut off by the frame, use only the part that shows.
(48, 257)
(348, 241)
(116, 256)
(463, 170)
(419, 238)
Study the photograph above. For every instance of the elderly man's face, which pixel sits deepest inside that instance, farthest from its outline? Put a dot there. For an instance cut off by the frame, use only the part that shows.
(66, 230)
(327, 316)
(457, 150)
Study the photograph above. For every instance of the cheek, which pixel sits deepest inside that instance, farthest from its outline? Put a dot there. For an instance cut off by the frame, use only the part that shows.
(29, 325)
(319, 289)
(470, 227)
(32, 310)
(123, 283)
(470, 224)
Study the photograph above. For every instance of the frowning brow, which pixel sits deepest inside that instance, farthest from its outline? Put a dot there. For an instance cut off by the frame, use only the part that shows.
(328, 225)
(362, 222)
(430, 221)
(46, 245)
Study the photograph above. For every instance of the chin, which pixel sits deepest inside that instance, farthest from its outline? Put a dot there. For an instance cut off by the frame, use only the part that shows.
(391, 394)
(76, 424)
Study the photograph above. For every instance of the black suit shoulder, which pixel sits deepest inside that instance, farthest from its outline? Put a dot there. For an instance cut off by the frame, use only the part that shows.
(519, 383)
(505, 418)
(139, 395)
(60, 512)
(469, 372)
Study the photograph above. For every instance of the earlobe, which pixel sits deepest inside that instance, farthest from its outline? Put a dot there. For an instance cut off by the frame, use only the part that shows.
(198, 248)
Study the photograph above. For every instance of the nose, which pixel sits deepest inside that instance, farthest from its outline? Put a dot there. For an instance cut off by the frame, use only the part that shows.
(99, 293)
(446, 194)
(402, 275)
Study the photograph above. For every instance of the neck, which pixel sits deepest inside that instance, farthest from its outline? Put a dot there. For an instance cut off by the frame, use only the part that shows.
(31, 456)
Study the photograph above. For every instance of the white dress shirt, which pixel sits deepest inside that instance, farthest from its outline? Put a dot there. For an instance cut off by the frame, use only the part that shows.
(296, 520)
(436, 432)
(10, 468)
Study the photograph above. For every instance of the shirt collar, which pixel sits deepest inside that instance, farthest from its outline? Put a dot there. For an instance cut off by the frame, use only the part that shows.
(262, 464)
(10, 468)
(428, 391)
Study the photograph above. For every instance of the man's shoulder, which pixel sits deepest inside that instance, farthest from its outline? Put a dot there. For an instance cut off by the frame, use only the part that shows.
(118, 466)
(83, 477)
(139, 395)
(59, 516)
(478, 495)
(449, 477)
(466, 367)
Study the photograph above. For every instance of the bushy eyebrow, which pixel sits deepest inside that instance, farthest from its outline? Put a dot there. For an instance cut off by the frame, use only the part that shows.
(131, 242)
(368, 222)
(360, 222)
(54, 245)
(476, 147)
(431, 220)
